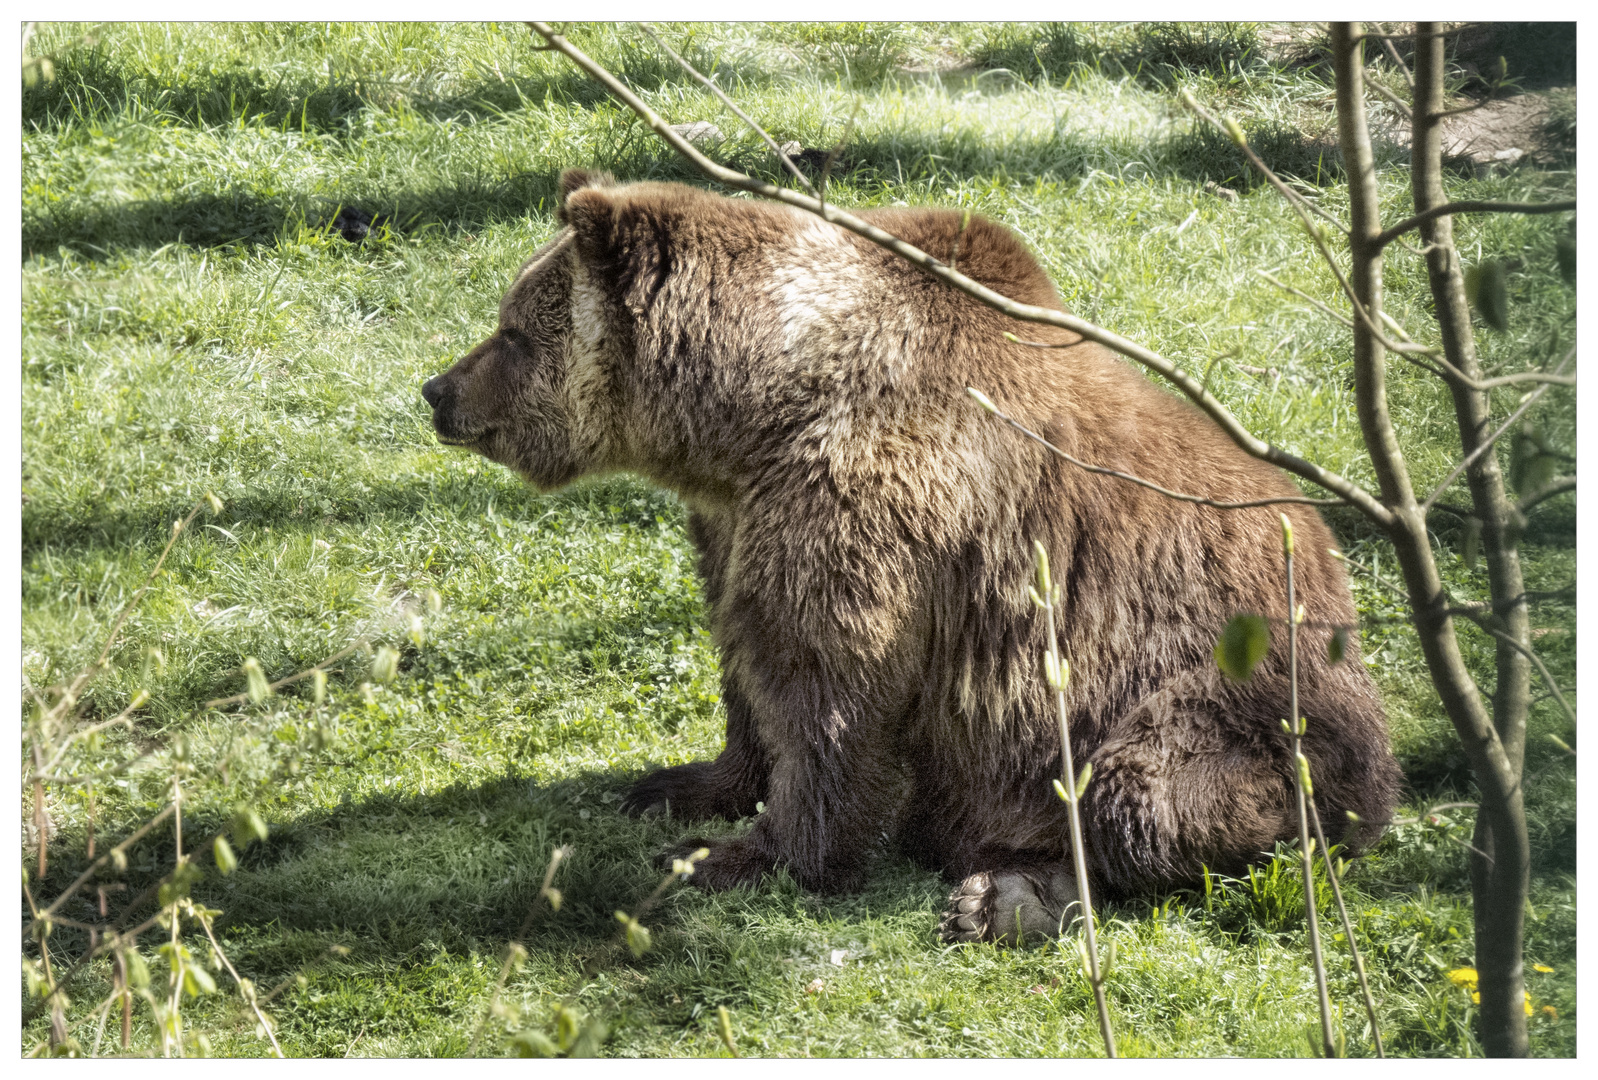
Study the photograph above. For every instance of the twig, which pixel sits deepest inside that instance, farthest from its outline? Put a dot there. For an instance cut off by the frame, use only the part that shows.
(69, 698)
(1468, 206)
(1335, 315)
(1305, 793)
(1357, 496)
(1392, 51)
(83, 733)
(1392, 99)
(516, 948)
(1071, 787)
(1531, 654)
(709, 84)
(1557, 486)
(1300, 204)
(246, 989)
(1487, 444)
(1348, 928)
(987, 403)
(239, 699)
(139, 834)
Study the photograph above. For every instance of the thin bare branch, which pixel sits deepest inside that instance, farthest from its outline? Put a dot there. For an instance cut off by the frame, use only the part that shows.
(1297, 201)
(298, 676)
(1557, 486)
(103, 859)
(70, 698)
(1537, 662)
(1487, 444)
(1303, 207)
(1334, 877)
(1199, 500)
(1392, 51)
(1355, 495)
(1469, 206)
(1368, 36)
(721, 96)
(246, 990)
(1334, 315)
(1392, 99)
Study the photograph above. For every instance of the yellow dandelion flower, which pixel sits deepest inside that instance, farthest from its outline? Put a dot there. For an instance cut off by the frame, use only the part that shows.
(1465, 977)
(1544, 968)
(1528, 1005)
(1475, 997)
(1550, 1012)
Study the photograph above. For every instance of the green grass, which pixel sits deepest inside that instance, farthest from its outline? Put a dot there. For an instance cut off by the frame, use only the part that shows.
(188, 325)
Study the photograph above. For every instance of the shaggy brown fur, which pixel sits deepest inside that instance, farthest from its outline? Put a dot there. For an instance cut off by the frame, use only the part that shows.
(864, 533)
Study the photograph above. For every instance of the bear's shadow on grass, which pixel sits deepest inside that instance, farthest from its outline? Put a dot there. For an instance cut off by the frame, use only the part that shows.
(460, 871)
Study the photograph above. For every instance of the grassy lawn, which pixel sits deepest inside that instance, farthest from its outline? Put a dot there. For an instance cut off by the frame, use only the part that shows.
(190, 324)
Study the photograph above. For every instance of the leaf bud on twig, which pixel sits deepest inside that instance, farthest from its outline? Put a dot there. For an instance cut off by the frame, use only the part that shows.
(1041, 557)
(255, 681)
(983, 399)
(1303, 777)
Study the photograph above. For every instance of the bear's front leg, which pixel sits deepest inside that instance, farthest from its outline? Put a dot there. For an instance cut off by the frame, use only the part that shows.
(728, 787)
(831, 792)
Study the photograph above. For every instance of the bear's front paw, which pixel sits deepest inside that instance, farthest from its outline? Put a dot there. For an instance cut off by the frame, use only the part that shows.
(1007, 905)
(687, 793)
(730, 863)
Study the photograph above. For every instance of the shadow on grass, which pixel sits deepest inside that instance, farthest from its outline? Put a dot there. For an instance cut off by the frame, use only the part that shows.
(91, 86)
(242, 216)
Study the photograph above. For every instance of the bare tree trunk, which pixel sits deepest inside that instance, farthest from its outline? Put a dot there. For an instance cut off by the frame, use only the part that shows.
(1500, 875)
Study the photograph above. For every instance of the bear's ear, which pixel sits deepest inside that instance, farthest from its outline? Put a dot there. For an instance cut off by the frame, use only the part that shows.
(590, 213)
(577, 179)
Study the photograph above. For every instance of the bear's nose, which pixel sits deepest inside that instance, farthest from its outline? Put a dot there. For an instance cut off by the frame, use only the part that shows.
(433, 390)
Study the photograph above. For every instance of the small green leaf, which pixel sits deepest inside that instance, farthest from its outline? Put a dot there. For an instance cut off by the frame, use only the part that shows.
(226, 861)
(1040, 559)
(247, 825)
(568, 1025)
(724, 1029)
(1338, 646)
(1487, 289)
(1059, 789)
(1082, 779)
(532, 1044)
(138, 971)
(197, 981)
(1243, 644)
(1287, 536)
(318, 685)
(1470, 543)
(1565, 256)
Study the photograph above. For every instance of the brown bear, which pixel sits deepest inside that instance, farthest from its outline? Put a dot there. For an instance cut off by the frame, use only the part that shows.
(864, 533)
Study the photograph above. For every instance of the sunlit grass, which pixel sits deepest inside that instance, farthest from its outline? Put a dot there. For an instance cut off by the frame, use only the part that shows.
(188, 325)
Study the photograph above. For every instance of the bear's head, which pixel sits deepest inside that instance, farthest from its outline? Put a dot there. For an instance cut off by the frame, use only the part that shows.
(532, 396)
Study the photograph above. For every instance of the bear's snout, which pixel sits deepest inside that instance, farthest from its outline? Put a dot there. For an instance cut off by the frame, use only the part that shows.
(443, 396)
